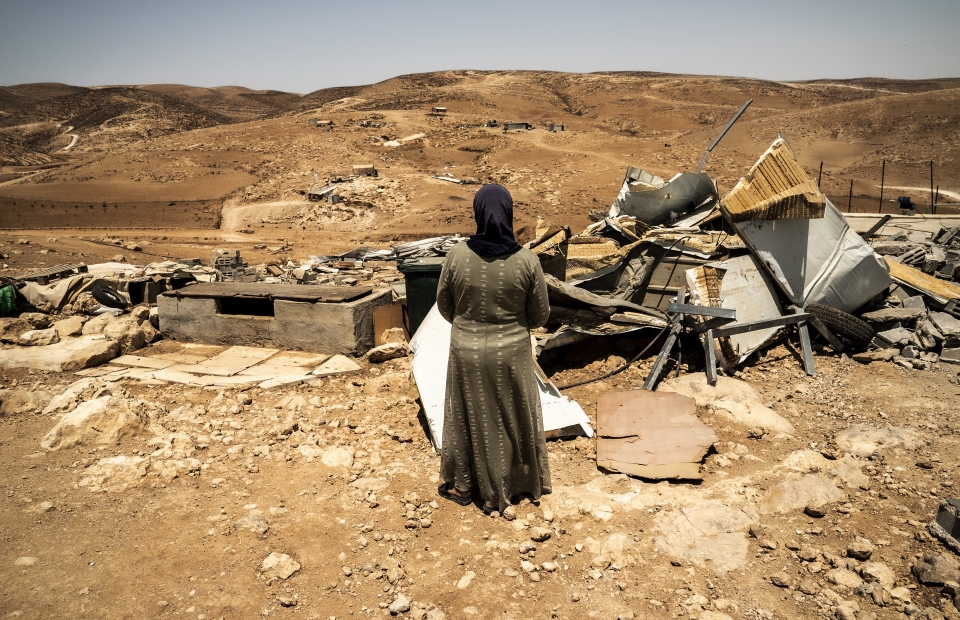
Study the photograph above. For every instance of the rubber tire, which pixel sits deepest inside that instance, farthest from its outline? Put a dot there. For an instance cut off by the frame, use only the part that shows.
(850, 327)
(108, 296)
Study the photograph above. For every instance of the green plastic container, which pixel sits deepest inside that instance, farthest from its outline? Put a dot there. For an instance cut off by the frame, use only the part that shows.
(422, 276)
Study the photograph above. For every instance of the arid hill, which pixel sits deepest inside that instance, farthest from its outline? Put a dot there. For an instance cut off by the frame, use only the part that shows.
(170, 143)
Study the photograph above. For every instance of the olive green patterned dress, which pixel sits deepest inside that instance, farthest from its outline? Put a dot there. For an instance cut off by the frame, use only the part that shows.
(492, 426)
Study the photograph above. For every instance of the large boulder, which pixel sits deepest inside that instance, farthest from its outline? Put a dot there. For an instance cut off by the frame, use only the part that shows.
(93, 354)
(97, 324)
(99, 421)
(126, 332)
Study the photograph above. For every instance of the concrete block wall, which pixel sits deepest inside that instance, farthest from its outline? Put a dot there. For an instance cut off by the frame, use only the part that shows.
(321, 327)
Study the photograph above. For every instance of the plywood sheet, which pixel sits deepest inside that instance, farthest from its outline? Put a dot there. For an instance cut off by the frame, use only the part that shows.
(651, 434)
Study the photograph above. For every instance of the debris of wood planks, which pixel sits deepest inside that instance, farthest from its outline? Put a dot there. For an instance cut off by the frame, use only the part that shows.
(654, 435)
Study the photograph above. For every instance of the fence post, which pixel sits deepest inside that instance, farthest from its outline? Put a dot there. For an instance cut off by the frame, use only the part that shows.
(933, 204)
(820, 176)
(883, 171)
(850, 197)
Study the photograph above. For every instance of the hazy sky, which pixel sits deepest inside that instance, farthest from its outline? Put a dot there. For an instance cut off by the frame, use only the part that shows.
(301, 46)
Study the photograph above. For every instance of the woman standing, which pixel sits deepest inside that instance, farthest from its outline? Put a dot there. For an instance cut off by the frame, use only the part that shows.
(493, 292)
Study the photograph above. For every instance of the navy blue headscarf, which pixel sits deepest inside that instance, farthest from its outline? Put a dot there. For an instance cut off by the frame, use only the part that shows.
(493, 211)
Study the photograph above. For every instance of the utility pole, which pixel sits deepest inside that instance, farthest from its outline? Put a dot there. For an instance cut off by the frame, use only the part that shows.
(883, 171)
(820, 176)
(850, 197)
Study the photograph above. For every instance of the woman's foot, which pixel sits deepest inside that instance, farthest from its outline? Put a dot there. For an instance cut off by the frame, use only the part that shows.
(447, 490)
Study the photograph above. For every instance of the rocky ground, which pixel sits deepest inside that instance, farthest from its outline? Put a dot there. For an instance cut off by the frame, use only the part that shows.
(140, 499)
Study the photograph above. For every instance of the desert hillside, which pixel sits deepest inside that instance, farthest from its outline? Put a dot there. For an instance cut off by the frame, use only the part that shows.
(128, 146)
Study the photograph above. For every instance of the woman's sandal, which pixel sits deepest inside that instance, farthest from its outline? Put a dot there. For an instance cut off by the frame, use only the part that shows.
(445, 493)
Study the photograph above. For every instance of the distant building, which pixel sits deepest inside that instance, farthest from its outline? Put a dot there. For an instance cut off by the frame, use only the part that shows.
(316, 195)
(492, 122)
(365, 170)
(319, 124)
(313, 122)
(438, 111)
(517, 126)
(556, 127)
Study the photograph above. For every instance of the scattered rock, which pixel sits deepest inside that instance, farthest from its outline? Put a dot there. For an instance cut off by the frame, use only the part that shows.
(876, 572)
(126, 332)
(287, 601)
(860, 549)
(337, 457)
(399, 605)
(781, 580)
(466, 579)
(25, 561)
(150, 333)
(39, 337)
(281, 564)
(389, 351)
(510, 513)
(394, 334)
(843, 577)
(809, 587)
(253, 523)
(540, 534)
(935, 569)
(816, 510)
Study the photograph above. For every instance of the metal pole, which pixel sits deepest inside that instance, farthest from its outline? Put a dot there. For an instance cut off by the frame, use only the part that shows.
(883, 171)
(733, 120)
(820, 176)
(933, 204)
(938, 195)
(850, 197)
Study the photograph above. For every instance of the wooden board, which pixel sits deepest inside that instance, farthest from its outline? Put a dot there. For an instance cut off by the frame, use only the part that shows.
(291, 292)
(651, 434)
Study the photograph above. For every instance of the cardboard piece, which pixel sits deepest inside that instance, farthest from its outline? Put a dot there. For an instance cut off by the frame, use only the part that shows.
(653, 435)
(431, 351)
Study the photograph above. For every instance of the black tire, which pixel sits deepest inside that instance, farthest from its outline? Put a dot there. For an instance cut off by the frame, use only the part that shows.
(108, 296)
(850, 327)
